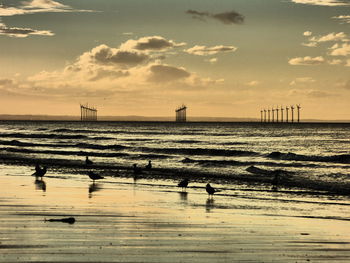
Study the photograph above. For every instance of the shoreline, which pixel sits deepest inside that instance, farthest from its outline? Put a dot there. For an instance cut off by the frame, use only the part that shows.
(120, 220)
(263, 180)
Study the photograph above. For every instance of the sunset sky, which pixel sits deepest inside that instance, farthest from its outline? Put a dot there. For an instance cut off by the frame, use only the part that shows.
(225, 58)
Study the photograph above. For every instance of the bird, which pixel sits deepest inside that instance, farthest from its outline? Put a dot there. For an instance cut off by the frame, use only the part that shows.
(39, 172)
(210, 190)
(183, 184)
(93, 176)
(137, 170)
(149, 165)
(87, 161)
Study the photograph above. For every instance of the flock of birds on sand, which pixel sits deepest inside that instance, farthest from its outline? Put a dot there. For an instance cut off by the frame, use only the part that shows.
(41, 171)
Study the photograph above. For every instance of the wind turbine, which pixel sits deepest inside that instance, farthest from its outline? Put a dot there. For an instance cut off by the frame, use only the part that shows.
(264, 115)
(269, 114)
(281, 114)
(261, 116)
(287, 110)
(273, 115)
(292, 109)
(298, 107)
(277, 109)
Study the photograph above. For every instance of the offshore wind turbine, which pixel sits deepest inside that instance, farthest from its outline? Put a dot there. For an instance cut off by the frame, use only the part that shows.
(273, 115)
(269, 114)
(298, 107)
(287, 110)
(292, 109)
(277, 109)
(282, 114)
(264, 115)
(261, 116)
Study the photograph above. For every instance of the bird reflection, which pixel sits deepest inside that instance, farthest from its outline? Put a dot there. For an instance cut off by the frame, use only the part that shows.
(183, 196)
(209, 205)
(40, 184)
(94, 187)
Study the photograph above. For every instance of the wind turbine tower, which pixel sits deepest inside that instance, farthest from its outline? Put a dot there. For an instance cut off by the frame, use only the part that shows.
(264, 115)
(281, 114)
(277, 109)
(273, 115)
(287, 110)
(292, 109)
(298, 107)
(261, 116)
(269, 114)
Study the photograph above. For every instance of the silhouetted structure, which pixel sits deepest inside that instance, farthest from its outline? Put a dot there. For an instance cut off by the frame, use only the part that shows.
(282, 113)
(292, 109)
(181, 114)
(298, 107)
(272, 117)
(88, 113)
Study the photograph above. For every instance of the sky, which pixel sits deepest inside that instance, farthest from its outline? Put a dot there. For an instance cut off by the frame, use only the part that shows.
(224, 58)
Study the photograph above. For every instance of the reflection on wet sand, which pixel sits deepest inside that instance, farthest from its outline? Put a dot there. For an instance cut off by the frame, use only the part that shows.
(94, 187)
(40, 184)
(183, 196)
(209, 205)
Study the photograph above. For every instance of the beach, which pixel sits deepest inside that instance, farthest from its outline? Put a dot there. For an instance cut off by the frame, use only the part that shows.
(119, 219)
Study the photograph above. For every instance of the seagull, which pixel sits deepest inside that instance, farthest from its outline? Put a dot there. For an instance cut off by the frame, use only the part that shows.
(39, 172)
(137, 170)
(149, 165)
(183, 184)
(93, 176)
(210, 190)
(87, 161)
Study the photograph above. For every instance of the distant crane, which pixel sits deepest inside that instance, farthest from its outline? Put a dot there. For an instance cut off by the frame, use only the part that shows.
(287, 110)
(292, 109)
(298, 108)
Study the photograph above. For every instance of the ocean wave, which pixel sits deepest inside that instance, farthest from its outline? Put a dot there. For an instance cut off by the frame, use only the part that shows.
(49, 136)
(201, 151)
(342, 158)
(115, 147)
(58, 152)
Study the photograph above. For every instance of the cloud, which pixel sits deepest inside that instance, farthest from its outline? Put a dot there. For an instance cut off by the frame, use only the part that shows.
(154, 43)
(341, 36)
(323, 2)
(228, 18)
(213, 60)
(106, 55)
(343, 19)
(205, 51)
(253, 83)
(22, 32)
(307, 33)
(340, 50)
(306, 61)
(335, 62)
(165, 73)
(310, 44)
(5, 82)
(37, 6)
(303, 80)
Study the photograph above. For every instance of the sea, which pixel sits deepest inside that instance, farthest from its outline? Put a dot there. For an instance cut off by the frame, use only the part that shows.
(316, 152)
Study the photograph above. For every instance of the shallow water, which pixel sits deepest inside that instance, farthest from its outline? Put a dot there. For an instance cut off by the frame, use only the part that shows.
(122, 220)
(315, 151)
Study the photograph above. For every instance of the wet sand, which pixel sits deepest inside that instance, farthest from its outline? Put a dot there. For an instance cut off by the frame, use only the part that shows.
(122, 220)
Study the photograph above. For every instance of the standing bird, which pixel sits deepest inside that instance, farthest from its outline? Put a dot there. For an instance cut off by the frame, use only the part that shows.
(39, 172)
(183, 184)
(87, 161)
(210, 190)
(149, 165)
(93, 176)
(137, 170)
